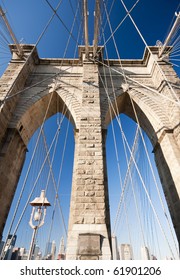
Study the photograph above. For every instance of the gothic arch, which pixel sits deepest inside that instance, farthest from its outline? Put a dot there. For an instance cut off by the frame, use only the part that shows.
(155, 122)
(32, 109)
(31, 113)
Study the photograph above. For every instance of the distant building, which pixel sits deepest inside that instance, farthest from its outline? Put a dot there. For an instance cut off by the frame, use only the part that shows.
(15, 254)
(23, 254)
(1, 246)
(126, 252)
(9, 245)
(36, 253)
(115, 251)
(50, 252)
(61, 253)
(48, 257)
(39, 256)
(53, 250)
(145, 253)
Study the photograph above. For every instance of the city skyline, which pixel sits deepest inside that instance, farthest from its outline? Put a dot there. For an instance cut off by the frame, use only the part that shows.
(120, 252)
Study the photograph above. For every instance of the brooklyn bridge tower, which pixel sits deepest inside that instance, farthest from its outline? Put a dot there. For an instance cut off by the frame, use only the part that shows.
(90, 91)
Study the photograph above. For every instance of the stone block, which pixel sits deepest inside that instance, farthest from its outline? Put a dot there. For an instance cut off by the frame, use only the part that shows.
(100, 199)
(90, 172)
(79, 188)
(80, 193)
(89, 244)
(89, 220)
(90, 153)
(78, 220)
(90, 193)
(99, 193)
(80, 181)
(79, 206)
(100, 206)
(90, 206)
(89, 188)
(81, 171)
(81, 162)
(90, 182)
(90, 162)
(90, 145)
(99, 187)
(100, 220)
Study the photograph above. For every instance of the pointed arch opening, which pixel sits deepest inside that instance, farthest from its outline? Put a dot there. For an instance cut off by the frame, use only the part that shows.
(48, 166)
(136, 183)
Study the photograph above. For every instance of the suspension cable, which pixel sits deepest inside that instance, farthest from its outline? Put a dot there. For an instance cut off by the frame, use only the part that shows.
(116, 29)
(116, 48)
(54, 183)
(39, 39)
(55, 13)
(162, 73)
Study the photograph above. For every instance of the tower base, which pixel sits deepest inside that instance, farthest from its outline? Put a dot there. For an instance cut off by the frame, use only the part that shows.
(85, 243)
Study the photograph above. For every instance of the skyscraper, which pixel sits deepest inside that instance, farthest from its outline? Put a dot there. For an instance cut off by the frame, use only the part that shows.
(8, 248)
(50, 251)
(36, 252)
(61, 253)
(53, 250)
(126, 252)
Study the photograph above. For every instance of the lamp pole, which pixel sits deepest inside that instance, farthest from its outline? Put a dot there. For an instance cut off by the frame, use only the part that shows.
(31, 249)
(37, 218)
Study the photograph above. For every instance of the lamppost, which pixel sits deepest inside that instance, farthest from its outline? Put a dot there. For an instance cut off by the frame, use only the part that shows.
(37, 216)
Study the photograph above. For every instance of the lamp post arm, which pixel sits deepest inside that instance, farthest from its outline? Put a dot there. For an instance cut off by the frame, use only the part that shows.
(31, 219)
(43, 218)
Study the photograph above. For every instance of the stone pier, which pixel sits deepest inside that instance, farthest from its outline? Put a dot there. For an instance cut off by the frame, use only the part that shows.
(89, 225)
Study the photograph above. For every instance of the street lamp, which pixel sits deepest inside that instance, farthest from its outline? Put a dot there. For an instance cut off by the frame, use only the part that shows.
(37, 216)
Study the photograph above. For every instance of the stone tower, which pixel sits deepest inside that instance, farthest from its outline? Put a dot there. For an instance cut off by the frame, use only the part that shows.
(32, 87)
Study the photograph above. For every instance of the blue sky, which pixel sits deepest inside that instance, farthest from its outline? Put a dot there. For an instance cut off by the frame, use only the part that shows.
(28, 19)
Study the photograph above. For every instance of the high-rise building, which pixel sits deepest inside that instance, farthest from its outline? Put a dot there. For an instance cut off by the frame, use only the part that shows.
(23, 254)
(8, 247)
(53, 250)
(36, 252)
(61, 254)
(126, 252)
(145, 253)
(115, 251)
(15, 253)
(50, 251)
(1, 246)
